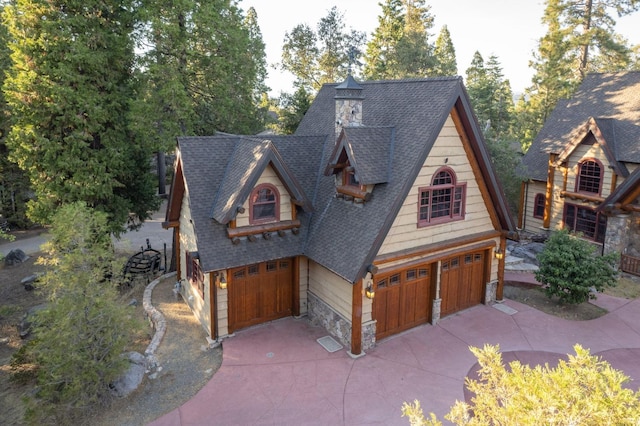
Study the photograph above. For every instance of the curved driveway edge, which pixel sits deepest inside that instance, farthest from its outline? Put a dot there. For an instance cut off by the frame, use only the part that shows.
(277, 373)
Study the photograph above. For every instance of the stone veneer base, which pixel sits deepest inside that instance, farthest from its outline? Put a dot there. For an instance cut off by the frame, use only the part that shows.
(321, 314)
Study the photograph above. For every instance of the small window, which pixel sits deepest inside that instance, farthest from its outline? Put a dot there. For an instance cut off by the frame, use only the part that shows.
(538, 206)
(382, 283)
(253, 269)
(194, 272)
(589, 177)
(411, 275)
(443, 201)
(423, 273)
(394, 279)
(264, 204)
(272, 266)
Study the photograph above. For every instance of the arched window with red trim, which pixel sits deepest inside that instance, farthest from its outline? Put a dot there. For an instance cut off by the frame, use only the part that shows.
(264, 204)
(443, 201)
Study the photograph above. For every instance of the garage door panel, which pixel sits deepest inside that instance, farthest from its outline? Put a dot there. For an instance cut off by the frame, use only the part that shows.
(260, 293)
(402, 300)
(462, 282)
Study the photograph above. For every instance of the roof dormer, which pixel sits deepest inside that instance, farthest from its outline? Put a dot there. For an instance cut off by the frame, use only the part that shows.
(360, 160)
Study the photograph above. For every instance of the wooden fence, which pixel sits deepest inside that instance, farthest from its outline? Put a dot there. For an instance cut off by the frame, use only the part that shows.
(630, 264)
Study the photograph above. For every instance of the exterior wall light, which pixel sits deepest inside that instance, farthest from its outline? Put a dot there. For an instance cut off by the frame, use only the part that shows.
(222, 281)
(499, 254)
(369, 292)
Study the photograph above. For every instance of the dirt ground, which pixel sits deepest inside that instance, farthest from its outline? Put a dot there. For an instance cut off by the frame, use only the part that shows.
(628, 287)
(186, 364)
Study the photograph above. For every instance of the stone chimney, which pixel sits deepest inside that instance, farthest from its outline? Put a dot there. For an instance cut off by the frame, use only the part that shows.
(348, 104)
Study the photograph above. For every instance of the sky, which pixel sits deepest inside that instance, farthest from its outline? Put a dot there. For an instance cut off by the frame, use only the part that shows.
(509, 29)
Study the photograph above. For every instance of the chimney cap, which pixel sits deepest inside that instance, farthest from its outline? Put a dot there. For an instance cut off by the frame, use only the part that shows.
(350, 84)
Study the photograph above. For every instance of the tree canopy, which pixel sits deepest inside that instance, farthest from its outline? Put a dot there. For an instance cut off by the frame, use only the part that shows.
(69, 90)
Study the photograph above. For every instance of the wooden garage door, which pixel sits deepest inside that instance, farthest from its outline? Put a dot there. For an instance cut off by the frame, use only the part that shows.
(462, 282)
(259, 293)
(403, 300)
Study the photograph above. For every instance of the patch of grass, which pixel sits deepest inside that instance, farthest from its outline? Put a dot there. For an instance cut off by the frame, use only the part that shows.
(627, 288)
(9, 310)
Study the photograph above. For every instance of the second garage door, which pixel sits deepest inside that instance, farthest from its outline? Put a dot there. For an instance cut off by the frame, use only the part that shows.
(260, 293)
(462, 282)
(403, 300)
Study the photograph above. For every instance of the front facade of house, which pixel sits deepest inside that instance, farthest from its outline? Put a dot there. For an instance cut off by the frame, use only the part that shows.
(381, 213)
(580, 160)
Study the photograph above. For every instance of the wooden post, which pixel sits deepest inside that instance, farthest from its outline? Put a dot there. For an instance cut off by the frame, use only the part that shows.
(501, 262)
(296, 286)
(356, 319)
(546, 221)
(523, 208)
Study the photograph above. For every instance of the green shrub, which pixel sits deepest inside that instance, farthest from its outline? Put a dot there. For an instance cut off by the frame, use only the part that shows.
(571, 269)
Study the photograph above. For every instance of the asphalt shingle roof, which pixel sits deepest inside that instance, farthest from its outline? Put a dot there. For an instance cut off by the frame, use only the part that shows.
(614, 97)
(401, 121)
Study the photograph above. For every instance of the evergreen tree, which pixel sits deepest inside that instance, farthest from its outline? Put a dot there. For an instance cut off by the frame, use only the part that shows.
(490, 96)
(400, 47)
(322, 56)
(69, 91)
(193, 85)
(14, 184)
(292, 110)
(414, 52)
(80, 337)
(380, 60)
(445, 55)
(580, 38)
(492, 101)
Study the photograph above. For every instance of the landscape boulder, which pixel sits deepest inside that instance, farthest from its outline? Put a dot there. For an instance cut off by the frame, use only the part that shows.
(132, 377)
(15, 257)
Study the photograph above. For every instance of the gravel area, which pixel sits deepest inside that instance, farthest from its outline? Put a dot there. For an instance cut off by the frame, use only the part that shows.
(186, 365)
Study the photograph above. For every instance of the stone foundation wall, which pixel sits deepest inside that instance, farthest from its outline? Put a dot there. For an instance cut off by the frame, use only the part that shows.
(618, 233)
(490, 292)
(321, 314)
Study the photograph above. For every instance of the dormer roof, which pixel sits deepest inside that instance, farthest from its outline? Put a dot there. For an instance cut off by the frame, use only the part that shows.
(604, 132)
(369, 150)
(250, 158)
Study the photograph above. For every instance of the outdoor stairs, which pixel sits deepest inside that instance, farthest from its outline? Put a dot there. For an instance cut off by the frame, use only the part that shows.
(518, 265)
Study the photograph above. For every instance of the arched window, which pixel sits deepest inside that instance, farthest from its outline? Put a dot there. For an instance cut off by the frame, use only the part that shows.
(264, 204)
(589, 177)
(443, 201)
(538, 206)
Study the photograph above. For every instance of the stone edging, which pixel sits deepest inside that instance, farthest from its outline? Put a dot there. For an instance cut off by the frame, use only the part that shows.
(157, 319)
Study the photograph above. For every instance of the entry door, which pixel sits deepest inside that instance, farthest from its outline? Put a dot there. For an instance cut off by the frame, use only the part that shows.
(402, 300)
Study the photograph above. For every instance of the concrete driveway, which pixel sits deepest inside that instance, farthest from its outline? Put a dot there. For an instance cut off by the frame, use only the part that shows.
(278, 374)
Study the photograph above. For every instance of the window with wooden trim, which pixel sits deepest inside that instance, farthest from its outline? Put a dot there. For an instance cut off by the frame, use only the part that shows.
(194, 272)
(586, 221)
(589, 176)
(264, 204)
(349, 176)
(538, 206)
(443, 201)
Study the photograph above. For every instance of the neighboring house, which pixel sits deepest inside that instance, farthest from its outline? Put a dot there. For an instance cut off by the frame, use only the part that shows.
(582, 169)
(382, 212)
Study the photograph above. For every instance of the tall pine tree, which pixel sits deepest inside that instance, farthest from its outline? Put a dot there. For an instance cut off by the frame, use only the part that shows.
(69, 91)
(445, 55)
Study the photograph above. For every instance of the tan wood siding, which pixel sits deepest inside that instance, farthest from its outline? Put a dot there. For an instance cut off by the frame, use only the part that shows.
(447, 151)
(269, 176)
(331, 288)
(199, 306)
(533, 224)
(581, 153)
